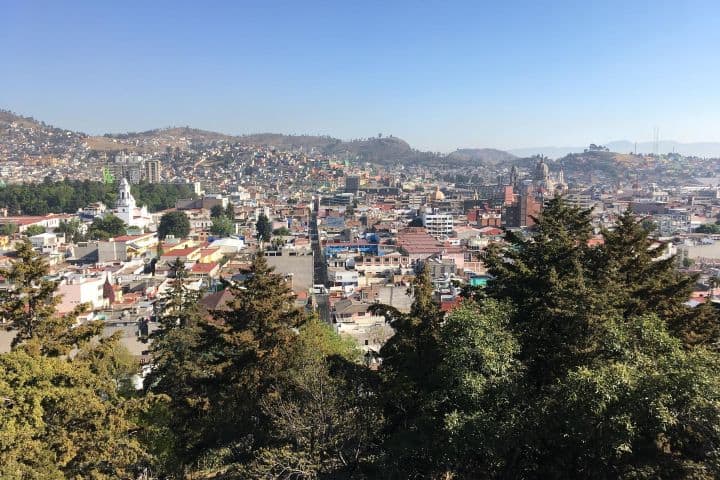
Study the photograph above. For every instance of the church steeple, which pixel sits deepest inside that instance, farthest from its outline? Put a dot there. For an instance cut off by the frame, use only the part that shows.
(125, 198)
(108, 291)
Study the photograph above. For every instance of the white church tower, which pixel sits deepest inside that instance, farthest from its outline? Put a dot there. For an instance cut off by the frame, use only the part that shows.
(127, 210)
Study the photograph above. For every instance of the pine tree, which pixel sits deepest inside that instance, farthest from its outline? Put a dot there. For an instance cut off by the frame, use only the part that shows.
(411, 382)
(182, 371)
(254, 338)
(650, 284)
(29, 307)
(263, 228)
(551, 279)
(180, 306)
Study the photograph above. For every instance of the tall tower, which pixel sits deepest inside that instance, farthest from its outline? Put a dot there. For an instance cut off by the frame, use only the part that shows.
(125, 205)
(656, 141)
(152, 171)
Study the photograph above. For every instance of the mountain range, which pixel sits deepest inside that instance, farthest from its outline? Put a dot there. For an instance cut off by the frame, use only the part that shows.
(380, 149)
(697, 149)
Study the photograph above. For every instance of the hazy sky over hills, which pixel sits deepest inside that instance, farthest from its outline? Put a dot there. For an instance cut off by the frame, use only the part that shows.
(439, 74)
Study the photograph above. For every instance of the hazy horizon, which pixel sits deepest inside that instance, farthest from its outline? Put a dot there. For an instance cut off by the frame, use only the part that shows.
(440, 76)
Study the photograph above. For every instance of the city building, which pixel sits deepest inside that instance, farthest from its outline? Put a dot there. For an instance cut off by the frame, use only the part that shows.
(127, 210)
(152, 171)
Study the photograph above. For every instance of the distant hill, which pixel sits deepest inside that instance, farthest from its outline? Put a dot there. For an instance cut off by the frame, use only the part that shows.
(386, 150)
(486, 156)
(697, 149)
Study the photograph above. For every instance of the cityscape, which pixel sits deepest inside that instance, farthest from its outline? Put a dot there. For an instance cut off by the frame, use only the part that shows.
(280, 295)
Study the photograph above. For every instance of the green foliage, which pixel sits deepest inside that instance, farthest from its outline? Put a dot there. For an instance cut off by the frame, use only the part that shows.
(34, 230)
(217, 211)
(222, 226)
(62, 416)
(8, 229)
(72, 229)
(109, 226)
(66, 196)
(263, 228)
(323, 416)
(411, 381)
(174, 223)
(161, 196)
(574, 362)
(181, 372)
(709, 228)
(281, 232)
(63, 420)
(29, 307)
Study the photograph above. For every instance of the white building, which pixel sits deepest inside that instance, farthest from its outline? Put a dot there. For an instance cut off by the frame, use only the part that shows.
(76, 290)
(46, 243)
(127, 210)
(438, 225)
(343, 280)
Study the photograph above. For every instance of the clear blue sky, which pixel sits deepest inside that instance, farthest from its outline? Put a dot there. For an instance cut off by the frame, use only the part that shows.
(438, 74)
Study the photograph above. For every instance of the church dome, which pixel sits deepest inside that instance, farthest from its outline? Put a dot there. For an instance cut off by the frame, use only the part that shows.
(437, 195)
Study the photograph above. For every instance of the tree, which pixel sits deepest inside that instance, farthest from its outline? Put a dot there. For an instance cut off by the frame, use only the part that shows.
(61, 419)
(8, 229)
(174, 223)
(63, 416)
(709, 228)
(481, 376)
(179, 307)
(71, 229)
(28, 305)
(230, 211)
(217, 211)
(650, 284)
(324, 416)
(410, 383)
(161, 196)
(34, 230)
(222, 226)
(106, 227)
(182, 372)
(263, 228)
(219, 373)
(598, 395)
(552, 276)
(281, 232)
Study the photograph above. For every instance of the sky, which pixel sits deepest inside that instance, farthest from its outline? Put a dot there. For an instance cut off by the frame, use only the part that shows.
(439, 74)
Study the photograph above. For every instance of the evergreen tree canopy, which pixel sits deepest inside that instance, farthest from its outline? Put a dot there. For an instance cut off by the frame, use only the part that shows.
(174, 223)
(263, 228)
(29, 307)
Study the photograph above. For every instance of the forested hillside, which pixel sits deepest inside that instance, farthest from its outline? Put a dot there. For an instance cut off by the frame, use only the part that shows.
(67, 196)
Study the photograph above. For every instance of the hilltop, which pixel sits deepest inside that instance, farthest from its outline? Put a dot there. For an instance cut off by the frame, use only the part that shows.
(387, 150)
(489, 156)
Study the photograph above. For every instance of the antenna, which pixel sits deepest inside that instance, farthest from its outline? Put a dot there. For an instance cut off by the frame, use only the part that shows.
(656, 141)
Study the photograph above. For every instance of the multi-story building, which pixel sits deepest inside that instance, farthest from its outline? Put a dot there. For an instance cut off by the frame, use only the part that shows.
(438, 225)
(352, 184)
(76, 290)
(152, 171)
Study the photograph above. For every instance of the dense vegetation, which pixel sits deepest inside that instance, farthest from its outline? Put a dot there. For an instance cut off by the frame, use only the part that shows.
(68, 196)
(174, 223)
(575, 362)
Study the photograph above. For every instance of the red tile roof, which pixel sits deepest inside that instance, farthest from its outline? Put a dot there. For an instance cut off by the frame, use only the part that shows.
(203, 267)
